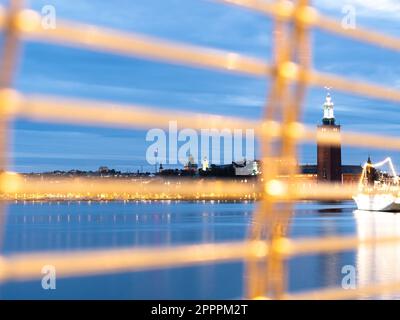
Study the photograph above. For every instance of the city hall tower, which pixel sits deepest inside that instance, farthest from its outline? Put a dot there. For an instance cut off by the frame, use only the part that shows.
(329, 157)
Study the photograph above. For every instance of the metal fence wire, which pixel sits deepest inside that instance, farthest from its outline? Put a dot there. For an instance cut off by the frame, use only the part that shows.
(267, 250)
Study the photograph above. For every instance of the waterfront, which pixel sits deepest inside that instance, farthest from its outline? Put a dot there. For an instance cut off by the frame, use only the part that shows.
(41, 226)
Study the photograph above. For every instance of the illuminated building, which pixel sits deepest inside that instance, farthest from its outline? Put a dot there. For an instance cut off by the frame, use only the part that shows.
(329, 166)
(329, 157)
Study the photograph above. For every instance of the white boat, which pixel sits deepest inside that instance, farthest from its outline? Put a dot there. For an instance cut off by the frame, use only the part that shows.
(378, 195)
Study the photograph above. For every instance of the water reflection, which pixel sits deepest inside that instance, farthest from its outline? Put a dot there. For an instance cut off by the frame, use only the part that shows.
(74, 226)
(377, 263)
(320, 219)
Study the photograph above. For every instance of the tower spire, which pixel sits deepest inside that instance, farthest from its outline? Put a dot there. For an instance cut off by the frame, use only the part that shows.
(329, 118)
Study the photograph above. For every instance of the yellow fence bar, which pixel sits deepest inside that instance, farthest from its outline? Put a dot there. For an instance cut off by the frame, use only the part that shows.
(353, 86)
(67, 264)
(326, 245)
(130, 44)
(118, 115)
(75, 111)
(90, 262)
(356, 139)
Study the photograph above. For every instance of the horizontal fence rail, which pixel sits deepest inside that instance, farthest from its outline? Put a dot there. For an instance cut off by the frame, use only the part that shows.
(94, 262)
(26, 266)
(61, 110)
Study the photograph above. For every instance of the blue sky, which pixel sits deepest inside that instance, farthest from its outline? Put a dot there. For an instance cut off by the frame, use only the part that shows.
(72, 72)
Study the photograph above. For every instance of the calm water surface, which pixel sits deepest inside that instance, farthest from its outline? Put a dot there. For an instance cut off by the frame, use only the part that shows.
(34, 227)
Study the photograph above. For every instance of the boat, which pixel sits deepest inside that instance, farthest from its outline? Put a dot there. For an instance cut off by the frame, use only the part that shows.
(378, 191)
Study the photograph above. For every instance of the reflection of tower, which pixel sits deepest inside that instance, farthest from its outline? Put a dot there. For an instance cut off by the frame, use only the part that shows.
(329, 157)
(330, 264)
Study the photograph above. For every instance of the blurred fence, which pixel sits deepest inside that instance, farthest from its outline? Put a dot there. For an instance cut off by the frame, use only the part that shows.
(267, 250)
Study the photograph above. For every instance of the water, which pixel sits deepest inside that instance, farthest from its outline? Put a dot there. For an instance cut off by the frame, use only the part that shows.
(32, 227)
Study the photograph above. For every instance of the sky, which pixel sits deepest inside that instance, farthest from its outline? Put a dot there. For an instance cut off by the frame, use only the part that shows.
(86, 74)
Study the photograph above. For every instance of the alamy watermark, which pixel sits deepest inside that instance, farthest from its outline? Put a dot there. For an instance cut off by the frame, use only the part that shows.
(48, 17)
(220, 146)
(349, 280)
(49, 278)
(349, 19)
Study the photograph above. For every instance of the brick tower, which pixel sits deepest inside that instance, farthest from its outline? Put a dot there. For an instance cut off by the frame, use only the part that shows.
(329, 158)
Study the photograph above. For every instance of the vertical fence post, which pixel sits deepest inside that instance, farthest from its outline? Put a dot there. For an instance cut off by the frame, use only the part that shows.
(9, 61)
(279, 152)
